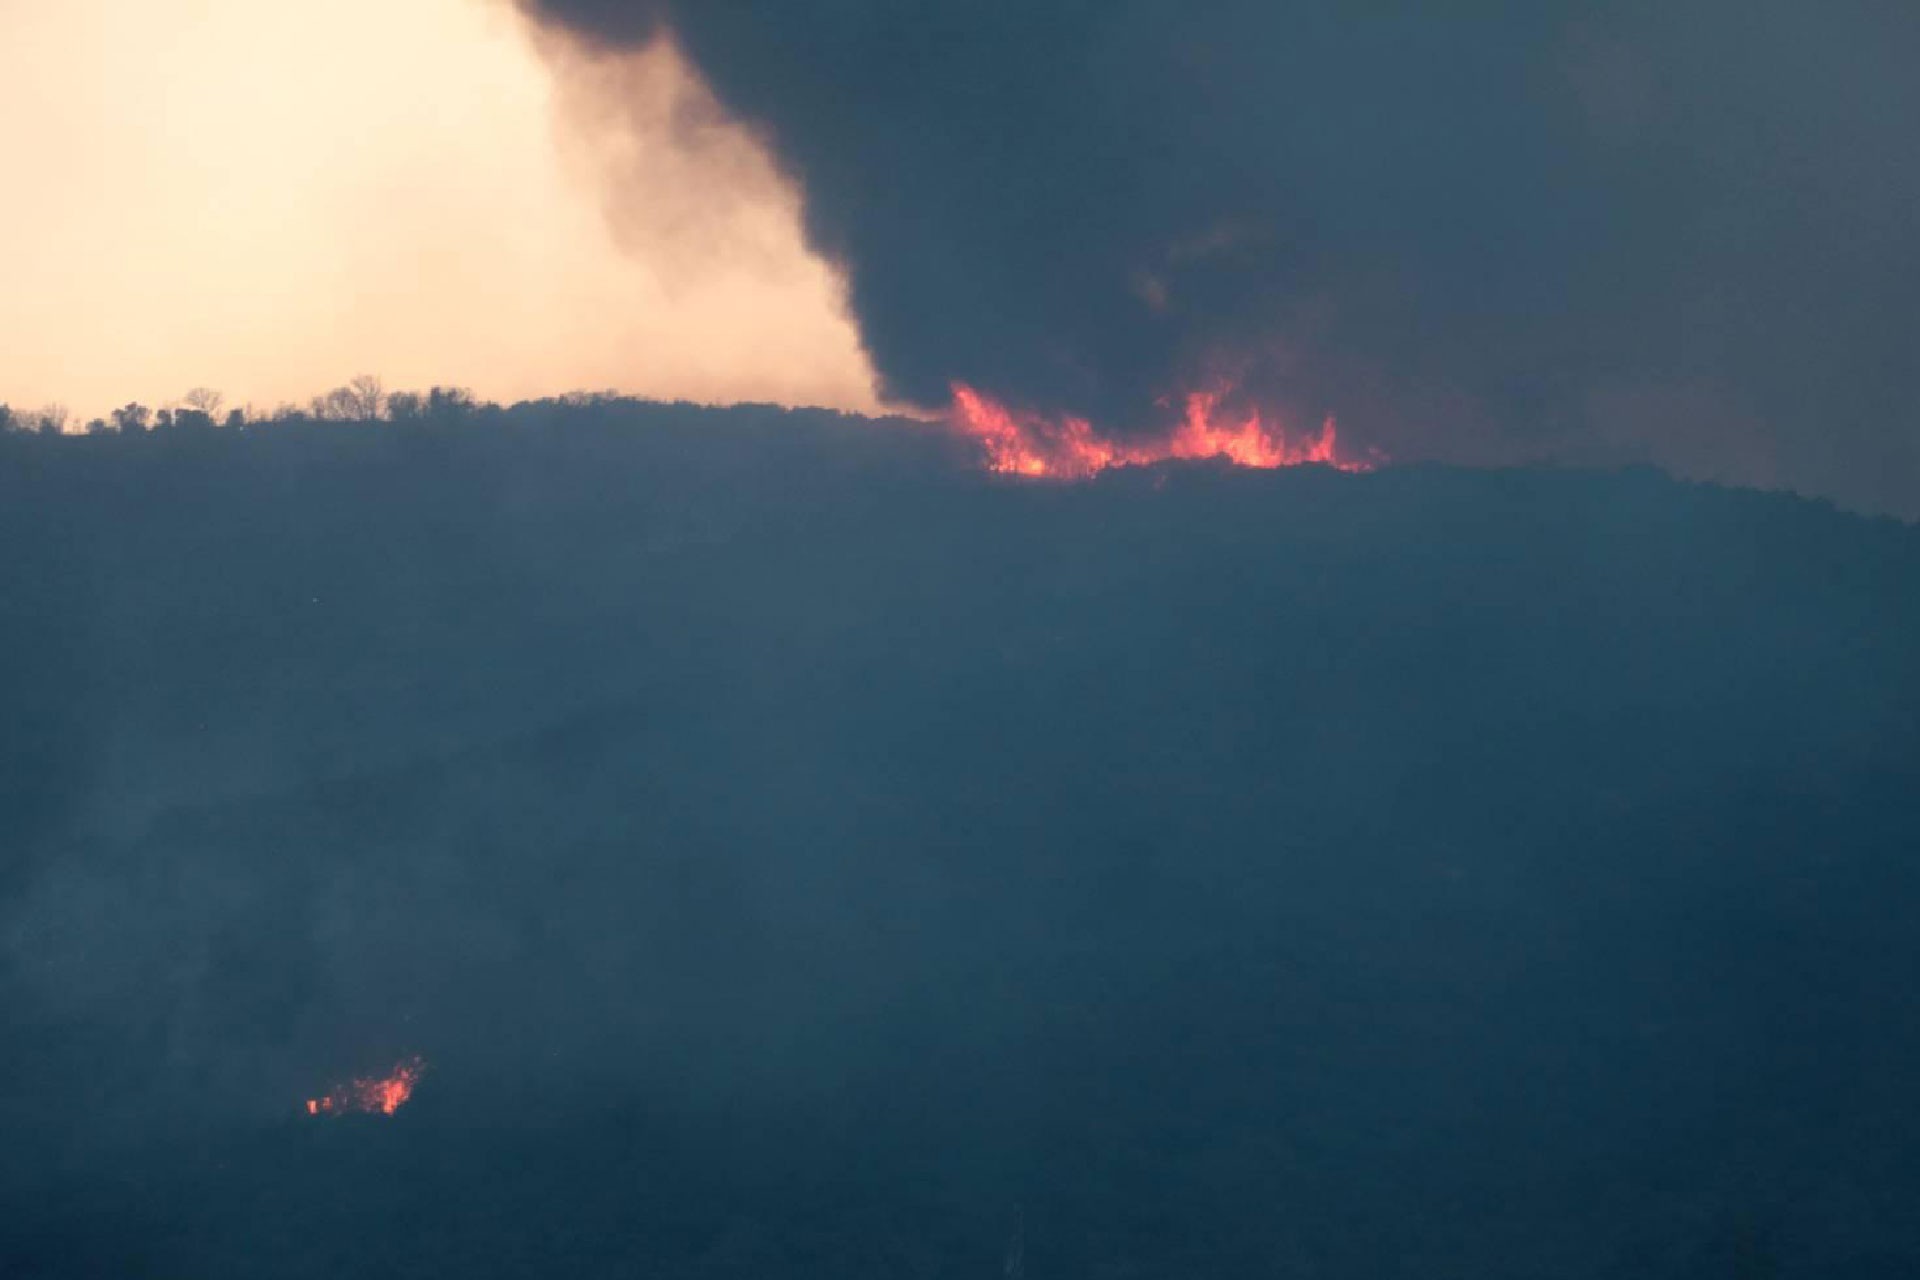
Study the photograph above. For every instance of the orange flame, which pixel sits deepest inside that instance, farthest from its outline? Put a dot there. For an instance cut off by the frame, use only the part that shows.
(1067, 448)
(372, 1095)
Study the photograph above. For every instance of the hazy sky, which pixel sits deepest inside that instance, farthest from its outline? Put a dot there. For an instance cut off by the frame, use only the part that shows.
(1678, 232)
(270, 198)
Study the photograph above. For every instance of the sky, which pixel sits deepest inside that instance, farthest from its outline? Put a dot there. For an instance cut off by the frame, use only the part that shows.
(1677, 233)
(270, 199)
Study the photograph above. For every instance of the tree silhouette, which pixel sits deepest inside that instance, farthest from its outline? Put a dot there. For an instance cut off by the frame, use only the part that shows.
(369, 397)
(362, 400)
(333, 406)
(204, 400)
(132, 419)
(449, 402)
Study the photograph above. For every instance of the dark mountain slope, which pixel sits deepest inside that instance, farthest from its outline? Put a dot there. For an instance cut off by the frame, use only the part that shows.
(795, 854)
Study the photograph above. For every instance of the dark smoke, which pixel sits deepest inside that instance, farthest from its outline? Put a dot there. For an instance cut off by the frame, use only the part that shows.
(1678, 232)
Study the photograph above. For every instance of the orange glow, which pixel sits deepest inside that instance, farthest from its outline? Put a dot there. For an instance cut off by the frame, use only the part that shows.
(372, 1095)
(269, 198)
(1067, 448)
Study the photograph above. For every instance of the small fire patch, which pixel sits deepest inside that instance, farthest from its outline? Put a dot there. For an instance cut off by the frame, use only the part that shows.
(372, 1095)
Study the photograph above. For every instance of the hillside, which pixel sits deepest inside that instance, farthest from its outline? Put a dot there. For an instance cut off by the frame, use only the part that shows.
(797, 853)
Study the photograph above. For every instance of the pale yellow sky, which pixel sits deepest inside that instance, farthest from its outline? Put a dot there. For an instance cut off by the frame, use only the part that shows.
(270, 198)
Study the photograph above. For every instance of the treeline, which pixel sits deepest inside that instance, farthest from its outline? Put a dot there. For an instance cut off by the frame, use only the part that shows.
(363, 420)
(364, 399)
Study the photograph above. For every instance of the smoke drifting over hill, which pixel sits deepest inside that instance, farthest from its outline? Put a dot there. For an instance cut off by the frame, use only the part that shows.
(1679, 232)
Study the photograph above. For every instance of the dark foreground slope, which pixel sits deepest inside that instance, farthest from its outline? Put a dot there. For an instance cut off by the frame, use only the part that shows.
(797, 855)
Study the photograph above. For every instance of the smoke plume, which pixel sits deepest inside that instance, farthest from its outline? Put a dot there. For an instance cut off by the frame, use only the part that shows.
(1667, 232)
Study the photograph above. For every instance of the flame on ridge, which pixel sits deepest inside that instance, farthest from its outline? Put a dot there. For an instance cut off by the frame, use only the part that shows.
(1068, 448)
(372, 1095)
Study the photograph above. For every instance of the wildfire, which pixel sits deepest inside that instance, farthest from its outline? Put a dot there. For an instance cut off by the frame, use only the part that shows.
(372, 1095)
(1067, 448)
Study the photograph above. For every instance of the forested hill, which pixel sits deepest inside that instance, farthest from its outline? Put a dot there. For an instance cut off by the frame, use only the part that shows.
(795, 852)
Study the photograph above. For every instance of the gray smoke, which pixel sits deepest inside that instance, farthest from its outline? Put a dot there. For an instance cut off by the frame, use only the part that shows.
(1669, 231)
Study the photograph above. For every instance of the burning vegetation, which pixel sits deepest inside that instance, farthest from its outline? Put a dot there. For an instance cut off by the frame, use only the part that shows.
(372, 1095)
(1068, 448)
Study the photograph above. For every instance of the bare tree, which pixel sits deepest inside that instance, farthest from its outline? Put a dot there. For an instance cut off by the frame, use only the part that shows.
(336, 405)
(362, 400)
(369, 397)
(204, 400)
(52, 420)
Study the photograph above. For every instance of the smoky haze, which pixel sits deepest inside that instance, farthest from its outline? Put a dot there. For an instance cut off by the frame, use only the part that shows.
(1680, 233)
(265, 227)
(796, 852)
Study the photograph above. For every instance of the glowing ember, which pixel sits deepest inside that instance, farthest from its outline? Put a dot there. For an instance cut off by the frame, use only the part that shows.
(1067, 448)
(373, 1095)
